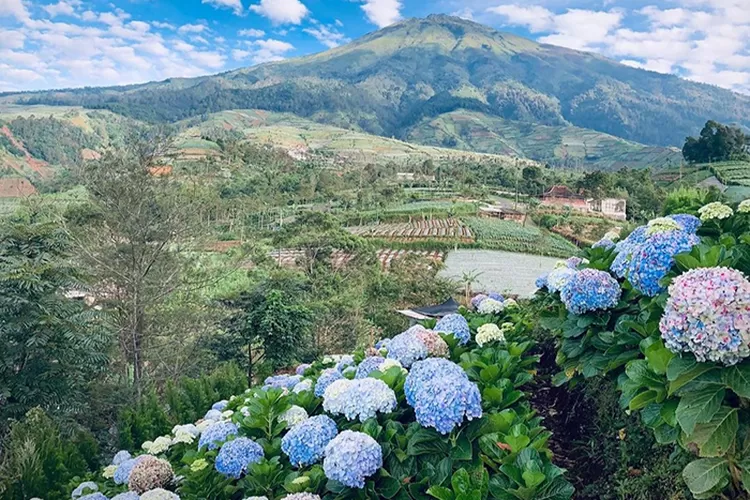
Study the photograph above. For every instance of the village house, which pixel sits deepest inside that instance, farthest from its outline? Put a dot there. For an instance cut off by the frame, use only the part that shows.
(496, 212)
(563, 196)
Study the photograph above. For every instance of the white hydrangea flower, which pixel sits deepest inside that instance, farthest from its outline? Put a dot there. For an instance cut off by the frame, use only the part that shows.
(227, 414)
(715, 210)
(489, 333)
(612, 235)
(245, 411)
(510, 303)
(490, 306)
(293, 416)
(202, 425)
(389, 363)
(662, 225)
(109, 471)
(744, 207)
(159, 445)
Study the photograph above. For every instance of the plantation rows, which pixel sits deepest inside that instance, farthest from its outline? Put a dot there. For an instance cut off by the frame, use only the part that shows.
(732, 172)
(511, 236)
(339, 258)
(418, 229)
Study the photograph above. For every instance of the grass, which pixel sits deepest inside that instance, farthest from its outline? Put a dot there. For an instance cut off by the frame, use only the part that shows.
(513, 237)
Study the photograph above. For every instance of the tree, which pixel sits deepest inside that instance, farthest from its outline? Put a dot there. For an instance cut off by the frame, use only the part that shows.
(136, 236)
(596, 184)
(717, 142)
(52, 346)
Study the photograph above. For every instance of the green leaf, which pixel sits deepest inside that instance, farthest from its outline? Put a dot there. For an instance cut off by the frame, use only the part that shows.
(461, 481)
(668, 410)
(426, 441)
(703, 475)
(685, 377)
(388, 487)
(658, 357)
(642, 399)
(715, 437)
(639, 372)
(533, 478)
(737, 378)
(440, 492)
(462, 450)
(698, 407)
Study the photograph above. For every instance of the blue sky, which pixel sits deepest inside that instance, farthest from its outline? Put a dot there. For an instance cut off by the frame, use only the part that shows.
(73, 43)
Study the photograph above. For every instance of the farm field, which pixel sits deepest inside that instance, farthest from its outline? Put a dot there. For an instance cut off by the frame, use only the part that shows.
(289, 257)
(513, 237)
(441, 229)
(732, 172)
(504, 272)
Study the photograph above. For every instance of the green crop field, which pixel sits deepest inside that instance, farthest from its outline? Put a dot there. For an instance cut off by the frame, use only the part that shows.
(513, 237)
(736, 173)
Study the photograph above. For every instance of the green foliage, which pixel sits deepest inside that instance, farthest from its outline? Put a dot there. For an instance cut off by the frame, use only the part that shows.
(687, 200)
(513, 237)
(52, 140)
(52, 345)
(39, 462)
(717, 142)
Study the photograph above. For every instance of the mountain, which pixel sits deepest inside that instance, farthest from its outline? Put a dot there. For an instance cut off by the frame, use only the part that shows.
(397, 81)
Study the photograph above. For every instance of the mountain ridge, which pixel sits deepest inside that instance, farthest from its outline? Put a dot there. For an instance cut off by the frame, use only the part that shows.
(391, 80)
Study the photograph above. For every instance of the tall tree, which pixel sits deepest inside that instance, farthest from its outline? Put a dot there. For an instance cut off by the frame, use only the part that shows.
(135, 239)
(717, 142)
(52, 346)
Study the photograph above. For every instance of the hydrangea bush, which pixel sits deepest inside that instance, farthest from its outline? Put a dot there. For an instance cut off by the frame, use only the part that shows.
(666, 311)
(411, 417)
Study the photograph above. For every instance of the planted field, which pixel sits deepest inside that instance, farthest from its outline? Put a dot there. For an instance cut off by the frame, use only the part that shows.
(290, 257)
(450, 229)
(732, 172)
(511, 236)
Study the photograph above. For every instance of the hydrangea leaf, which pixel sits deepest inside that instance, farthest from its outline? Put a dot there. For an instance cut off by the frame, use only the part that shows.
(737, 377)
(698, 407)
(715, 437)
(706, 475)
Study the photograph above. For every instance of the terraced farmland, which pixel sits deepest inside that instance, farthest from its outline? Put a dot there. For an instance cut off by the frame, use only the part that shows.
(735, 173)
(289, 257)
(511, 236)
(435, 229)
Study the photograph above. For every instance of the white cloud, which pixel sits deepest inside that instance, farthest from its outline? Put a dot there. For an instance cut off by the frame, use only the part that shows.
(327, 35)
(13, 8)
(534, 17)
(235, 5)
(191, 28)
(211, 60)
(382, 13)
(10, 39)
(281, 11)
(251, 33)
(263, 51)
(62, 8)
(164, 26)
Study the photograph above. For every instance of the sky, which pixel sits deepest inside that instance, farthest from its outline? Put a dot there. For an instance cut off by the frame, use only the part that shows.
(74, 43)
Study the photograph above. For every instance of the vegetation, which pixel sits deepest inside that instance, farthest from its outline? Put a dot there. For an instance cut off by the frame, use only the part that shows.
(716, 143)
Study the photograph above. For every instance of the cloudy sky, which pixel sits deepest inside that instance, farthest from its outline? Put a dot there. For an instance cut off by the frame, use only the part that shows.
(73, 43)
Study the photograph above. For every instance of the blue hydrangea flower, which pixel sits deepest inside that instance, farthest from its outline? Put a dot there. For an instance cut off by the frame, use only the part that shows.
(216, 434)
(305, 385)
(220, 405)
(345, 361)
(82, 488)
(407, 348)
(477, 299)
(541, 281)
(301, 369)
(652, 261)
(457, 325)
(235, 456)
(363, 398)
(351, 458)
(430, 368)
(281, 382)
(300, 496)
(590, 290)
(122, 474)
(94, 496)
(574, 262)
(305, 443)
(120, 457)
(382, 344)
(326, 378)
(558, 278)
(442, 397)
(368, 365)
(495, 296)
(128, 495)
(212, 414)
(625, 249)
(604, 243)
(689, 223)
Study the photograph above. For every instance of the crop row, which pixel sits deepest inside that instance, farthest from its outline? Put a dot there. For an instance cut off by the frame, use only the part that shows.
(418, 229)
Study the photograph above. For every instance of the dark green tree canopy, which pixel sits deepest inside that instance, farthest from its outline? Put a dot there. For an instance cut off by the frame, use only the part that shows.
(717, 142)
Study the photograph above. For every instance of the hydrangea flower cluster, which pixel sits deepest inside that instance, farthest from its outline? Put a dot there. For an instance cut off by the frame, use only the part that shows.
(541, 281)
(122, 474)
(305, 443)
(305, 385)
(293, 416)
(477, 299)
(457, 325)
(282, 382)
(487, 333)
(85, 488)
(214, 415)
(216, 434)
(93, 496)
(625, 249)
(406, 348)
(744, 207)
(159, 445)
(131, 495)
(652, 261)
(120, 457)
(590, 290)
(150, 473)
(390, 363)
(441, 394)
(299, 496)
(436, 346)
(715, 210)
(662, 225)
(345, 361)
(382, 344)
(490, 306)
(689, 223)
(604, 243)
(220, 405)
(326, 378)
(301, 369)
(558, 278)
(575, 262)
(351, 458)
(360, 398)
(369, 365)
(236, 455)
(708, 314)
(159, 494)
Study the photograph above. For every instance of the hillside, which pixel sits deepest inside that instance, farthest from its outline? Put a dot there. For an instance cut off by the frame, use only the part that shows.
(561, 145)
(390, 80)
